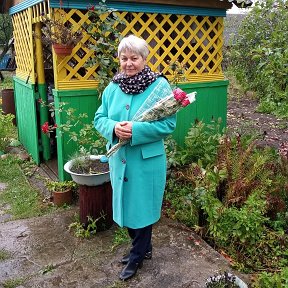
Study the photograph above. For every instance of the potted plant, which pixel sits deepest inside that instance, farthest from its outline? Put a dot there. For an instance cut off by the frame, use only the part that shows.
(62, 192)
(87, 166)
(60, 34)
(90, 170)
(224, 280)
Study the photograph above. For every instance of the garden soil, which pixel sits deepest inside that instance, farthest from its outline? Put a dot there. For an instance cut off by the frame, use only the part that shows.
(45, 254)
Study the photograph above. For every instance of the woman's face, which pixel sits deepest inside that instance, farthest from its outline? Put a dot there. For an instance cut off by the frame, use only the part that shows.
(131, 63)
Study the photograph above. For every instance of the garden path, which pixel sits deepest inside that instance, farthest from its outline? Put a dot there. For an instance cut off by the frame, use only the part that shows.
(44, 253)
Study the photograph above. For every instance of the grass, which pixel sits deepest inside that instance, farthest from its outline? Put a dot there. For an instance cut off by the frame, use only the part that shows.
(120, 237)
(4, 255)
(23, 199)
(13, 283)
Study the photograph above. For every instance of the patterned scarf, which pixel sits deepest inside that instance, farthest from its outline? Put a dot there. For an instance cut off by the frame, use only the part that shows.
(138, 83)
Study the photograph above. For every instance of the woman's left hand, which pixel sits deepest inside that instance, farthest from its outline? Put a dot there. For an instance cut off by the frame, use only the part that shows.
(123, 130)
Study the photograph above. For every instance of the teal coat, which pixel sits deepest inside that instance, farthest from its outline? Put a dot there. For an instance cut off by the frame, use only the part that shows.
(138, 169)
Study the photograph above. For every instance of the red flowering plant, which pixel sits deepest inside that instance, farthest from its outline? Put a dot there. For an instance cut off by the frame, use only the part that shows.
(47, 129)
(88, 140)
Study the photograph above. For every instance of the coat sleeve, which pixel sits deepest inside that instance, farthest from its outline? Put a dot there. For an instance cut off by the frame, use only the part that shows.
(147, 132)
(103, 124)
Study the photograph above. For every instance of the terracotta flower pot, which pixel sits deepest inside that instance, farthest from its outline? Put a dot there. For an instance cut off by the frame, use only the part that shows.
(62, 50)
(62, 197)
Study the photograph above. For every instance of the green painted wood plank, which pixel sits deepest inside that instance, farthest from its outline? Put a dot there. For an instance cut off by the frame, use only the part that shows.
(210, 105)
(86, 102)
(27, 117)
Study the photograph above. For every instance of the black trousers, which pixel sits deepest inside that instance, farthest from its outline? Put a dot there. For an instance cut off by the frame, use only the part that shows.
(141, 243)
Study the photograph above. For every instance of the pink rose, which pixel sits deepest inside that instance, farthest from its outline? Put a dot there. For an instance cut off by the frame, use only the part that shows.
(185, 102)
(179, 94)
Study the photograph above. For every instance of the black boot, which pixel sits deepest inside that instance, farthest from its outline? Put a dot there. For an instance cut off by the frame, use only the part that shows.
(130, 270)
(125, 259)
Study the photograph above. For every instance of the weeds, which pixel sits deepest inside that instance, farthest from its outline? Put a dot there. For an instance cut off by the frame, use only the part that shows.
(47, 269)
(13, 283)
(120, 237)
(85, 232)
(4, 255)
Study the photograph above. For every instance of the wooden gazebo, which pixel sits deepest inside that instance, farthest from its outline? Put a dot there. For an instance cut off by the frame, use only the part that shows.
(190, 31)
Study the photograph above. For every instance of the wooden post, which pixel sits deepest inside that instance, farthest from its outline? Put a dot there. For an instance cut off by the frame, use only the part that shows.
(96, 201)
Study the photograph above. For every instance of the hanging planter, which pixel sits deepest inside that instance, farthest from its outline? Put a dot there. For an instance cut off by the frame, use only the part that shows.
(60, 33)
(62, 50)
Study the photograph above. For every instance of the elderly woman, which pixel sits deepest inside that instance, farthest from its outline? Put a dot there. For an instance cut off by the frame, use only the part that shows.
(138, 169)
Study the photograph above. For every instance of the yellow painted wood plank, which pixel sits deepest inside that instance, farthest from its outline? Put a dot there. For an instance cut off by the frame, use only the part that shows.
(196, 40)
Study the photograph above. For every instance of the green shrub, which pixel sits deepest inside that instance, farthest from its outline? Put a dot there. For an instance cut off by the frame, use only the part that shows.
(237, 200)
(180, 204)
(201, 143)
(260, 55)
(275, 280)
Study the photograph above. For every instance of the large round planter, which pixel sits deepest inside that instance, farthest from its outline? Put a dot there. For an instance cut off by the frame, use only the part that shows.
(87, 179)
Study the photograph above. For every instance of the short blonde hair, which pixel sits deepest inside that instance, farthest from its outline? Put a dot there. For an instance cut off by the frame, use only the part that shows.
(134, 44)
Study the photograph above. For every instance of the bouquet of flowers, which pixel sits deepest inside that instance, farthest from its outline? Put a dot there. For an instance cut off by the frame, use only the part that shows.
(156, 107)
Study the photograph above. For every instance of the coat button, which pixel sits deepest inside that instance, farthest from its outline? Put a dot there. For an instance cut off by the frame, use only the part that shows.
(123, 161)
(125, 179)
(127, 107)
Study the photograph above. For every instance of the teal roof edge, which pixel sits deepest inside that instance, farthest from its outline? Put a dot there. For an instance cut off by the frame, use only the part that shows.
(122, 6)
(141, 7)
(23, 5)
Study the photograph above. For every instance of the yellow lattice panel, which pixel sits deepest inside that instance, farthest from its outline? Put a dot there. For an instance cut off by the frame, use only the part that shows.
(39, 10)
(195, 41)
(23, 41)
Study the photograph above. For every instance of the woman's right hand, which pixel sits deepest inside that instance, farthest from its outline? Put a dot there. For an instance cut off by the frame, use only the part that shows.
(123, 130)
